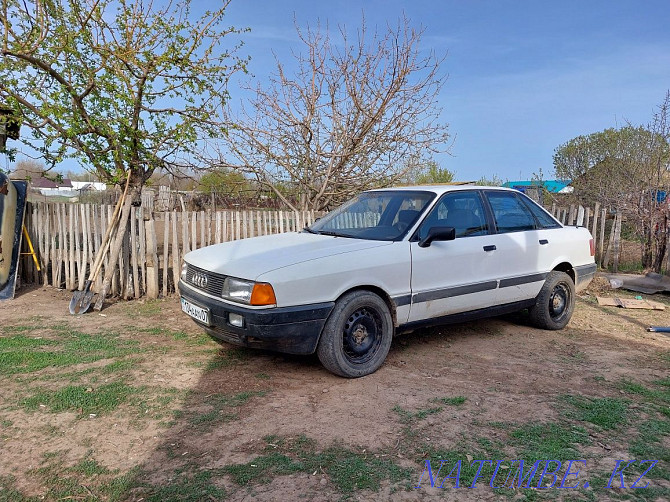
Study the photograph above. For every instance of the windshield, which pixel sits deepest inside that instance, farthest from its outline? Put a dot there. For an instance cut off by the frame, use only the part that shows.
(382, 216)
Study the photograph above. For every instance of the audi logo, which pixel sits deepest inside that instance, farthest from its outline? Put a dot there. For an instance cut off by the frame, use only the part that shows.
(199, 279)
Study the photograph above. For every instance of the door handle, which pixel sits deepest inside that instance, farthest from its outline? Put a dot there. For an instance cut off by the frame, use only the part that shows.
(490, 248)
(544, 241)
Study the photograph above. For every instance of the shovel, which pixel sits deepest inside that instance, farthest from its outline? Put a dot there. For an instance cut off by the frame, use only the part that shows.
(81, 300)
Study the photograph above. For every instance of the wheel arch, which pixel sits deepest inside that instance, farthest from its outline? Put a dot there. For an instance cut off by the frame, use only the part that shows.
(567, 268)
(379, 292)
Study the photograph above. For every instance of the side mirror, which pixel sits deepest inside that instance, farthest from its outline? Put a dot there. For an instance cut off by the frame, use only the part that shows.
(438, 234)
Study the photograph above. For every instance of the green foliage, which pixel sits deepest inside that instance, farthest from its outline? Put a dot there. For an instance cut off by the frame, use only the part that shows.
(224, 182)
(432, 174)
(118, 85)
(493, 181)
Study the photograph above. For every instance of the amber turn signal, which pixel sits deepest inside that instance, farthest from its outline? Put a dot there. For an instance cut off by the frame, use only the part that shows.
(262, 294)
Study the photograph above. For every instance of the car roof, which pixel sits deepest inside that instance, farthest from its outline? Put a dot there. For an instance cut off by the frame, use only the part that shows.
(440, 189)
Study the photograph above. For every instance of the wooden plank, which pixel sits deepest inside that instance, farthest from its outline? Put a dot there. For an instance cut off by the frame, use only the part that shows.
(594, 222)
(152, 260)
(237, 225)
(142, 256)
(610, 244)
(209, 224)
(126, 284)
(259, 226)
(601, 240)
(77, 245)
(133, 252)
(56, 263)
(617, 242)
(194, 229)
(225, 226)
(281, 222)
(217, 228)
(629, 303)
(580, 216)
(184, 233)
(66, 246)
(166, 251)
(176, 260)
(203, 234)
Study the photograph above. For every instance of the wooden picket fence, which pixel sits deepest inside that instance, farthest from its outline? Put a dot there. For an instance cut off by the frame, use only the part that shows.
(68, 236)
(596, 220)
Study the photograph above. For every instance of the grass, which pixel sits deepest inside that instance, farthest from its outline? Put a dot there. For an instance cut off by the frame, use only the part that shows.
(81, 399)
(450, 401)
(606, 413)
(190, 485)
(220, 405)
(23, 354)
(346, 469)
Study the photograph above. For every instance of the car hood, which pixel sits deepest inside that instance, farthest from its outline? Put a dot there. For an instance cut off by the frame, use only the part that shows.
(249, 258)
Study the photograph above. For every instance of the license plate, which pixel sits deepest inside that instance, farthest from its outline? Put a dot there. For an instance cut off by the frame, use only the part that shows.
(198, 313)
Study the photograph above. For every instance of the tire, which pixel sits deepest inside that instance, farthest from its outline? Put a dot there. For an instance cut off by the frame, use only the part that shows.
(554, 305)
(357, 336)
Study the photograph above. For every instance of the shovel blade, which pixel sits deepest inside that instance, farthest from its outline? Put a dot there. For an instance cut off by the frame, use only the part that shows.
(81, 300)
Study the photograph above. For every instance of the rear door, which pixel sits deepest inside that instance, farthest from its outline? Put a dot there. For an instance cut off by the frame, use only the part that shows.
(523, 245)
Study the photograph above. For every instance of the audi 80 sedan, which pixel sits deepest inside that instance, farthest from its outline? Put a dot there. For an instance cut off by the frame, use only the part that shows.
(386, 262)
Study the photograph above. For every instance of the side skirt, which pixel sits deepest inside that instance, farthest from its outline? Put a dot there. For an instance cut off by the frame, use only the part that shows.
(466, 316)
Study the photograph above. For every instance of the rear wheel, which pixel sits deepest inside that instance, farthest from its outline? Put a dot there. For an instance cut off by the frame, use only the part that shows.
(555, 303)
(357, 335)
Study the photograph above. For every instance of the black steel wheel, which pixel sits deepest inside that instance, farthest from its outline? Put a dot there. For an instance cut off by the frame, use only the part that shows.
(554, 305)
(357, 335)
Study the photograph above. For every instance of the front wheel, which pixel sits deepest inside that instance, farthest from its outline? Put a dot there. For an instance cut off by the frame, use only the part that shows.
(554, 305)
(357, 335)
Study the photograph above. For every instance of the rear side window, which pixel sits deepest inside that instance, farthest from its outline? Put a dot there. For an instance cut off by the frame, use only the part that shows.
(510, 213)
(543, 218)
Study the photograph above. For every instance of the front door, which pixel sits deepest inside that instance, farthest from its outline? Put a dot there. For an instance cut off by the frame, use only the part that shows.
(458, 275)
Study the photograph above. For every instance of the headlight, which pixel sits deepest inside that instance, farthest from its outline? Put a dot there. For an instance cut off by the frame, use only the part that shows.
(248, 292)
(184, 268)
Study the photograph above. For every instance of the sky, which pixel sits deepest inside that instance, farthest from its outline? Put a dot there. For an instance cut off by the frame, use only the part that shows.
(523, 76)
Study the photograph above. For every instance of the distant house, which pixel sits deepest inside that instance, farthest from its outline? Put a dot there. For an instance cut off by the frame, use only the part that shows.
(552, 186)
(89, 185)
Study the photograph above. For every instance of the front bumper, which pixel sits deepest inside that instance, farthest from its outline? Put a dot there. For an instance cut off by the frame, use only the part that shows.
(292, 330)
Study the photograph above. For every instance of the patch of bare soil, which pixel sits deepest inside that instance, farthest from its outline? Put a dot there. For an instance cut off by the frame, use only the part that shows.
(507, 371)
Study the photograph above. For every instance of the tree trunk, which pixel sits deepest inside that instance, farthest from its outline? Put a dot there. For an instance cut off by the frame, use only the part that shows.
(647, 247)
(661, 244)
(115, 249)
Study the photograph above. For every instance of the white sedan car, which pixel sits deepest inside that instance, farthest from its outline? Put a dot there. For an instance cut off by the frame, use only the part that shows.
(387, 262)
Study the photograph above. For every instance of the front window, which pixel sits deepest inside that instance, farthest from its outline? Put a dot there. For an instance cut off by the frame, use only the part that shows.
(383, 215)
(461, 210)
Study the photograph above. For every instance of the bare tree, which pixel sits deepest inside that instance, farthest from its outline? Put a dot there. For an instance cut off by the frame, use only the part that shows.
(349, 118)
(627, 170)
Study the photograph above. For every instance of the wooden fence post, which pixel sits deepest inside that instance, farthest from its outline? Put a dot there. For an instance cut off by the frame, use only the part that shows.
(152, 260)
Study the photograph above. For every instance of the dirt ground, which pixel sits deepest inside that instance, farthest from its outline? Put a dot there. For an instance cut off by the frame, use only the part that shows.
(507, 371)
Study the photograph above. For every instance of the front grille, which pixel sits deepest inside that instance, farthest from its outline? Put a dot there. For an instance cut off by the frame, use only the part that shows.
(203, 280)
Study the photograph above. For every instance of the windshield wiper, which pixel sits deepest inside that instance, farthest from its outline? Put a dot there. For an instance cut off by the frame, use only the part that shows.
(309, 230)
(331, 233)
